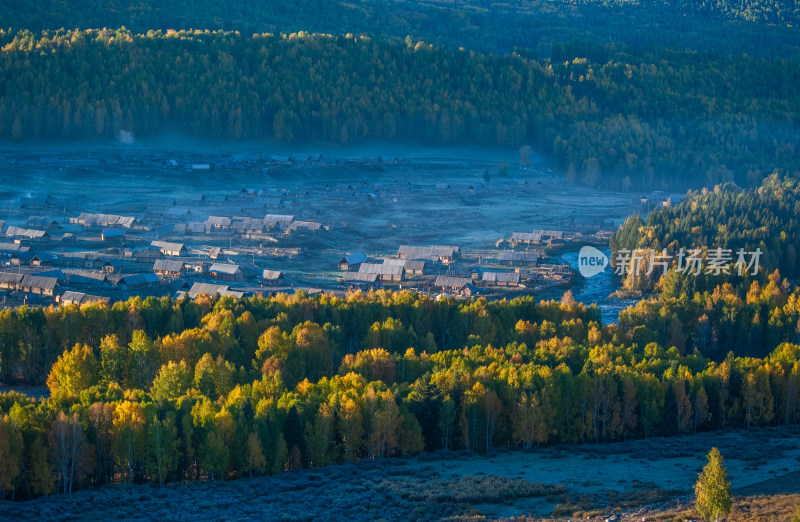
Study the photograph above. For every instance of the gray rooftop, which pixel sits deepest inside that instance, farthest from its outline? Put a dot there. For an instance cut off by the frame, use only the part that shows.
(500, 277)
(212, 290)
(168, 265)
(224, 268)
(452, 282)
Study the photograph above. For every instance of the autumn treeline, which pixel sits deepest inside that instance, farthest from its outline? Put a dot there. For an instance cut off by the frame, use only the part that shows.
(608, 115)
(161, 391)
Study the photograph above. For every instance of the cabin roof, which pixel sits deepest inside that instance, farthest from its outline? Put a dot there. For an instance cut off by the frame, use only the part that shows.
(500, 277)
(42, 282)
(168, 265)
(359, 277)
(166, 245)
(452, 282)
(139, 279)
(224, 268)
(354, 259)
(212, 289)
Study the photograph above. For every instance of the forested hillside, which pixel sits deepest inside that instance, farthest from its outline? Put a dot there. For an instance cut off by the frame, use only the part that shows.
(157, 390)
(721, 26)
(607, 115)
(726, 217)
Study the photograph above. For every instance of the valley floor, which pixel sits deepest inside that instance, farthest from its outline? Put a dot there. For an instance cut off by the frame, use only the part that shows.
(635, 480)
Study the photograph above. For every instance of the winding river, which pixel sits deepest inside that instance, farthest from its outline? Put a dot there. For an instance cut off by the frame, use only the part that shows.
(597, 289)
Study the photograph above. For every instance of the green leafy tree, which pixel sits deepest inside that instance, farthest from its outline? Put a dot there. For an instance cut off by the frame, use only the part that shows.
(74, 371)
(40, 475)
(162, 455)
(214, 455)
(11, 454)
(713, 489)
(143, 362)
(256, 462)
(113, 359)
(130, 436)
(172, 381)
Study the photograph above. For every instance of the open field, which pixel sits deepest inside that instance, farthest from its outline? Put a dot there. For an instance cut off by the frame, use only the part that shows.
(645, 479)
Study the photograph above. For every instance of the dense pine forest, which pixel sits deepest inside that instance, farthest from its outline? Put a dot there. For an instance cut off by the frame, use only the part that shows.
(158, 390)
(606, 115)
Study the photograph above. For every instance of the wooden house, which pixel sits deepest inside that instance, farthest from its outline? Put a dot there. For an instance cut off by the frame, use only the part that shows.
(169, 268)
(139, 281)
(281, 219)
(211, 290)
(550, 235)
(170, 249)
(110, 266)
(79, 298)
(43, 223)
(33, 284)
(272, 278)
(351, 262)
(441, 253)
(415, 267)
(40, 260)
(360, 280)
(218, 222)
(518, 258)
(178, 213)
(459, 285)
(86, 277)
(53, 272)
(12, 251)
(501, 278)
(29, 234)
(10, 280)
(390, 272)
(113, 235)
(525, 238)
(226, 272)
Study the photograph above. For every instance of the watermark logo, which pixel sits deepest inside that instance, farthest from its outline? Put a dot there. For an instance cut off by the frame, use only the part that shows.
(591, 261)
(694, 261)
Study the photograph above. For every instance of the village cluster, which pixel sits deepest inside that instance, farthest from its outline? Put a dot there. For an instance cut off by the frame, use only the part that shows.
(102, 257)
(239, 242)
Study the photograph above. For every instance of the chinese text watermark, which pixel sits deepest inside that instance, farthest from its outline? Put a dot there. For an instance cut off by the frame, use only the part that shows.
(693, 261)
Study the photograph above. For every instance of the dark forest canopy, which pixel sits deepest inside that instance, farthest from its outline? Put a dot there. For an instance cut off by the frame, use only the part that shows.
(608, 115)
(158, 390)
(755, 27)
